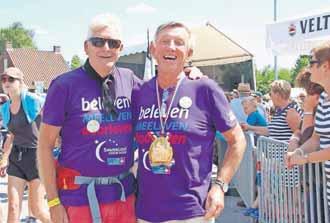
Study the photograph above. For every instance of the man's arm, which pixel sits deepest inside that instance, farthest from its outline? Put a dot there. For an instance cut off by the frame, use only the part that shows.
(234, 154)
(233, 157)
(47, 170)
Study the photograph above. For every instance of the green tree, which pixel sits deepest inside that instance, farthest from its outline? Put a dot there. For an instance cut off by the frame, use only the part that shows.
(264, 79)
(75, 62)
(267, 75)
(19, 36)
(301, 62)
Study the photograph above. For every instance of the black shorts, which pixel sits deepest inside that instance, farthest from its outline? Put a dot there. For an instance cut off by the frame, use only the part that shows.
(23, 164)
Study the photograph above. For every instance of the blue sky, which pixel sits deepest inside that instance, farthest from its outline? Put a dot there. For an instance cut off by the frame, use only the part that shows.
(64, 22)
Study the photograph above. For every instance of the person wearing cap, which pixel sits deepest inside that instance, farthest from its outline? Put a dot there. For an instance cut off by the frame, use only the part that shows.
(236, 104)
(21, 116)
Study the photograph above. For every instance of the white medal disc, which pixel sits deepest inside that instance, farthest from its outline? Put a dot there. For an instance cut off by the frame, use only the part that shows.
(93, 126)
(185, 102)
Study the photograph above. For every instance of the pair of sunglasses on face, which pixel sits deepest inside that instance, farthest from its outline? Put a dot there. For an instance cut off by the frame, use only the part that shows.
(100, 42)
(5, 79)
(313, 61)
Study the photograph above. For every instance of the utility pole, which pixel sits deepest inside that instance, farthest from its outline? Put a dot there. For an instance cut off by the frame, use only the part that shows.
(275, 57)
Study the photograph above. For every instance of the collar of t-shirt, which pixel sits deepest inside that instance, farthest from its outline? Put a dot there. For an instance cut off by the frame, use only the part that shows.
(92, 73)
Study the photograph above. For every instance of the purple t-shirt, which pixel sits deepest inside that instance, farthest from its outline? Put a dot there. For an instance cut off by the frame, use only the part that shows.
(94, 143)
(199, 109)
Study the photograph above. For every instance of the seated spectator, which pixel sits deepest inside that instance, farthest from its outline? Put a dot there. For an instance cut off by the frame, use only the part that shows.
(255, 119)
(287, 117)
(253, 115)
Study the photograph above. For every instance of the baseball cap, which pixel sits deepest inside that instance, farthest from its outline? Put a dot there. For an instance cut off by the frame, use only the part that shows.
(257, 94)
(13, 72)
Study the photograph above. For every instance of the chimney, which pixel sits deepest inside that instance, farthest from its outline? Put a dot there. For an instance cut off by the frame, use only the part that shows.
(56, 49)
(8, 45)
(5, 63)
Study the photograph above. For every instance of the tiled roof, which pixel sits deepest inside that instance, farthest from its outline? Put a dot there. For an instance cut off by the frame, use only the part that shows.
(38, 65)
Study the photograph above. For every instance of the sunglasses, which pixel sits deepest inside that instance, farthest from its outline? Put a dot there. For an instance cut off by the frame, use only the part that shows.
(100, 42)
(9, 79)
(311, 62)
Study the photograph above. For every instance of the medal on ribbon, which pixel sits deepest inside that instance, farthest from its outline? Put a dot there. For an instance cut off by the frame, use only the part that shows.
(161, 151)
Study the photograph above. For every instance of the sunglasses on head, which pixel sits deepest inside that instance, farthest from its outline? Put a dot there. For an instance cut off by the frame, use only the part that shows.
(100, 42)
(4, 79)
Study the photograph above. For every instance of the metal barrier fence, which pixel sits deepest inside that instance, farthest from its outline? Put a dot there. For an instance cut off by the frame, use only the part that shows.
(288, 196)
(244, 179)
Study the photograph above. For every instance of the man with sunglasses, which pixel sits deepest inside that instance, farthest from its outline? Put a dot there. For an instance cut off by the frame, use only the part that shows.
(90, 108)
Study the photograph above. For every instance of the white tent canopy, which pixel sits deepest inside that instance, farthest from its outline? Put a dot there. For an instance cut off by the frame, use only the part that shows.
(298, 35)
(212, 48)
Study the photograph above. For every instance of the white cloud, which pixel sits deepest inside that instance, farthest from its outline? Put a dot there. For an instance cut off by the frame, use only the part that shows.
(141, 8)
(38, 30)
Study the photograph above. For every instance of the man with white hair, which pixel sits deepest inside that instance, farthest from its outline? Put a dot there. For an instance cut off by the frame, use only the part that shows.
(90, 108)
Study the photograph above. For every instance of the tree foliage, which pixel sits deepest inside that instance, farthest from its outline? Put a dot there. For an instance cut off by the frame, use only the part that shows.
(301, 62)
(267, 75)
(19, 36)
(75, 62)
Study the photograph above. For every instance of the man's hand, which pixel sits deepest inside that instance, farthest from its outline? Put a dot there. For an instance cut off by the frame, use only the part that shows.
(194, 73)
(58, 214)
(215, 202)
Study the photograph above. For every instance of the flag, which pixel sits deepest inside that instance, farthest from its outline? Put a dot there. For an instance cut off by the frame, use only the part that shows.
(149, 68)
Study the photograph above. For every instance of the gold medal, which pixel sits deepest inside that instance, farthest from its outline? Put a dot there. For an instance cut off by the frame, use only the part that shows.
(160, 152)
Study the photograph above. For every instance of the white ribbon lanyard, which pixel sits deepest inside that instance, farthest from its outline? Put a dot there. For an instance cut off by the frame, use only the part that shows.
(163, 122)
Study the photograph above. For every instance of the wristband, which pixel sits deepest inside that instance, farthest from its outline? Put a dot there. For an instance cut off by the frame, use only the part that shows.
(54, 202)
(301, 151)
(295, 138)
(308, 113)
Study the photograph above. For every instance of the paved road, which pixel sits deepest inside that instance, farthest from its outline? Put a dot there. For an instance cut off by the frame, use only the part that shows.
(231, 214)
